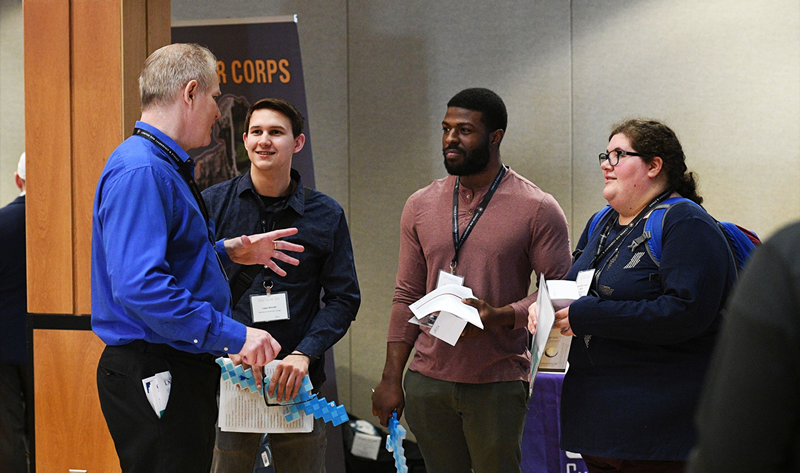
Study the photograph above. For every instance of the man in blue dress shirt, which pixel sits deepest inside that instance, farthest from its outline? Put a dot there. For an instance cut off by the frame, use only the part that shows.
(160, 297)
(271, 195)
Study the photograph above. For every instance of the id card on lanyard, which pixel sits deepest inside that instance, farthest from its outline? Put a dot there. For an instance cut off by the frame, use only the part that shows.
(272, 306)
(269, 307)
(449, 278)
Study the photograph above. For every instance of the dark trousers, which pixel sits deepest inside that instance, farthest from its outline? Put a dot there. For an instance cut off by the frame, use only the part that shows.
(182, 440)
(602, 465)
(13, 439)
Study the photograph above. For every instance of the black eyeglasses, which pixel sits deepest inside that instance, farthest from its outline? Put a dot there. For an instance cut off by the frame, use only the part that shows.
(614, 156)
(285, 404)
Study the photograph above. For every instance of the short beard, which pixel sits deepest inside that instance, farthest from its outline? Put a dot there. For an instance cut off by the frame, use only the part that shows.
(473, 163)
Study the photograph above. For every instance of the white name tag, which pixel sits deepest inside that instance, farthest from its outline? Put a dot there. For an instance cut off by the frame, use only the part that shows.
(269, 307)
(447, 278)
(584, 281)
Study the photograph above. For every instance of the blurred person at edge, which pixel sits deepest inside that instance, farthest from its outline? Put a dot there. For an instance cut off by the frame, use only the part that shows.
(160, 297)
(13, 312)
(644, 335)
(749, 414)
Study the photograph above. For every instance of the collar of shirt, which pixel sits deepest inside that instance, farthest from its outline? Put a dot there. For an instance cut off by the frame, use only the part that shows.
(296, 201)
(169, 142)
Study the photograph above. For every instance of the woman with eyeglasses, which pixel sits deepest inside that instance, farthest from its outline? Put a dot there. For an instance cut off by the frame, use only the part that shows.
(644, 334)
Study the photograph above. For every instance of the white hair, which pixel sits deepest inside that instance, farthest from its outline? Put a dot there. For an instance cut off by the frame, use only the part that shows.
(171, 67)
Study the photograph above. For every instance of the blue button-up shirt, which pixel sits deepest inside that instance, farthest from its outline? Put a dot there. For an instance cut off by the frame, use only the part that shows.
(326, 265)
(155, 272)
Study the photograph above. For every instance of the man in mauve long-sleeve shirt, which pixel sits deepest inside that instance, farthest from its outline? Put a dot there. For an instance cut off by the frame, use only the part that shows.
(466, 403)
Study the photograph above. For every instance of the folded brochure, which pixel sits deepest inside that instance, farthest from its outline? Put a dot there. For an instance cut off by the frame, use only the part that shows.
(453, 314)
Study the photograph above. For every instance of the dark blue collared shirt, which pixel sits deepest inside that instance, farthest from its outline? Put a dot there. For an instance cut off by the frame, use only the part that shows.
(326, 265)
(155, 274)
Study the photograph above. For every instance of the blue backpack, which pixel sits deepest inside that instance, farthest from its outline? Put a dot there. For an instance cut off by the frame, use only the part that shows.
(741, 241)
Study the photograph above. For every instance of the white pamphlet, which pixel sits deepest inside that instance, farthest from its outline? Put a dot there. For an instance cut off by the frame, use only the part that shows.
(450, 324)
(562, 294)
(453, 314)
(241, 410)
(448, 298)
(448, 327)
(157, 389)
(544, 324)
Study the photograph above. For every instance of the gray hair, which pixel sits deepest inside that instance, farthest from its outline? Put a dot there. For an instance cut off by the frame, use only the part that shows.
(171, 67)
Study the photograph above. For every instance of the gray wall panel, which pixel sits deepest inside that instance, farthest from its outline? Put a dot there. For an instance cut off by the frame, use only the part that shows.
(725, 75)
(12, 98)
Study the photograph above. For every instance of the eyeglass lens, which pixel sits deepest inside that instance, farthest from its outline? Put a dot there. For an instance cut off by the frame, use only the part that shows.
(611, 156)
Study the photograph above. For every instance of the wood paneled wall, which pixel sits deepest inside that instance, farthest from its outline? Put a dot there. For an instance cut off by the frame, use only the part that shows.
(82, 61)
(71, 432)
(48, 144)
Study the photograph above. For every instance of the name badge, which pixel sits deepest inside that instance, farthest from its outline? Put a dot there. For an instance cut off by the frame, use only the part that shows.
(269, 307)
(584, 281)
(448, 278)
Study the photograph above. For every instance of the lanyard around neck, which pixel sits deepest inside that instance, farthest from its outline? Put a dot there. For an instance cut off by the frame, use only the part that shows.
(459, 242)
(186, 173)
(183, 168)
(602, 249)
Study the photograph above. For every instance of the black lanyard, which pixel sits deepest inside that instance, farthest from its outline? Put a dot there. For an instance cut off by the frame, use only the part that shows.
(458, 242)
(186, 173)
(183, 168)
(602, 249)
(287, 217)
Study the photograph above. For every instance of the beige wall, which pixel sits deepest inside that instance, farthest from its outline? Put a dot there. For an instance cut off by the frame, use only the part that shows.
(724, 73)
(12, 112)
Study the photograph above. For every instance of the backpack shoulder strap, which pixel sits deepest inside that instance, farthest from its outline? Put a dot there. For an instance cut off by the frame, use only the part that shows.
(655, 226)
(597, 218)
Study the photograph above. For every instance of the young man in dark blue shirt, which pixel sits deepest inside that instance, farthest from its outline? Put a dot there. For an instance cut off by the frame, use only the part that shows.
(265, 198)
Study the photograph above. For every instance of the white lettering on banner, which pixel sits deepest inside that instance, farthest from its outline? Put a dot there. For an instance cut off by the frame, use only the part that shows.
(573, 468)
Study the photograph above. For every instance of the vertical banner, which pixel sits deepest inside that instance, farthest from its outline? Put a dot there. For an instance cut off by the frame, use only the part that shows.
(256, 58)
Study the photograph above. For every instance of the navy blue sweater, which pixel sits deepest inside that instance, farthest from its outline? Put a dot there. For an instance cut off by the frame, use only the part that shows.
(633, 385)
